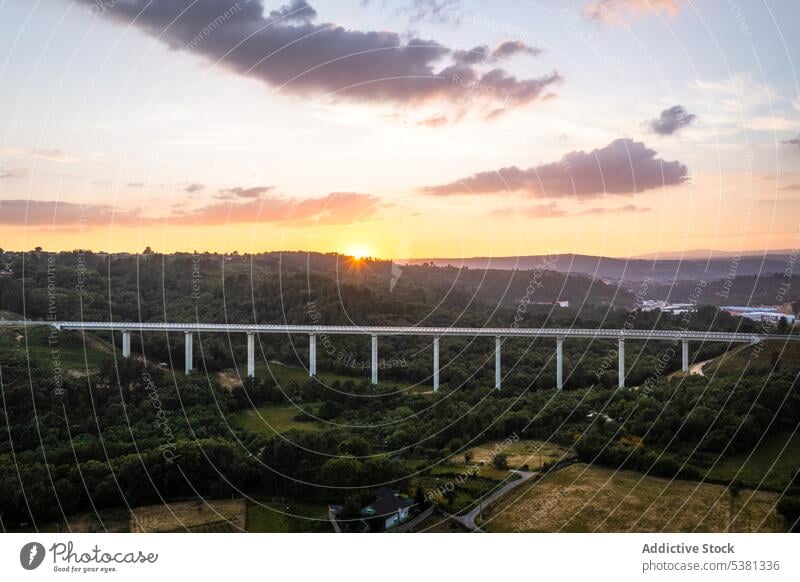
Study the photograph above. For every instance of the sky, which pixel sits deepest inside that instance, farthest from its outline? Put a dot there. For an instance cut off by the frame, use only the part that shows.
(400, 129)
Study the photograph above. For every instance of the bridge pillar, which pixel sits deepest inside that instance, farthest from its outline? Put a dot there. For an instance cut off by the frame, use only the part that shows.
(251, 354)
(188, 351)
(436, 364)
(374, 359)
(312, 355)
(621, 352)
(497, 363)
(126, 344)
(685, 356)
(560, 363)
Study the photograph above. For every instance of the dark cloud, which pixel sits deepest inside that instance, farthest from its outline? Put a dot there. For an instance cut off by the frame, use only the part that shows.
(791, 187)
(483, 54)
(511, 48)
(136, 184)
(473, 56)
(288, 51)
(671, 120)
(251, 193)
(296, 11)
(622, 167)
(333, 209)
(195, 187)
(793, 142)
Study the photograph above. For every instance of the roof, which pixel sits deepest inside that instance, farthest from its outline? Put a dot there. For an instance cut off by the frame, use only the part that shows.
(389, 505)
(387, 501)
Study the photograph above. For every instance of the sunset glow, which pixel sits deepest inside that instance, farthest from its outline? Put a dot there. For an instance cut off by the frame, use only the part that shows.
(196, 150)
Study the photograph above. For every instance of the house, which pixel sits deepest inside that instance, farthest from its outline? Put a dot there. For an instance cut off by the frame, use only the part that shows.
(390, 506)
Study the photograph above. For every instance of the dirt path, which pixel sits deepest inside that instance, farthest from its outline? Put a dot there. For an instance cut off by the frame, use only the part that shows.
(697, 369)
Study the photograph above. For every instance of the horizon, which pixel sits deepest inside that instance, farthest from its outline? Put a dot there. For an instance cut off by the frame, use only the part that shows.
(691, 254)
(359, 254)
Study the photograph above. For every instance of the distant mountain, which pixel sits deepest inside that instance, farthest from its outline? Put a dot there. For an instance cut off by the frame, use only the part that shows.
(627, 270)
(709, 254)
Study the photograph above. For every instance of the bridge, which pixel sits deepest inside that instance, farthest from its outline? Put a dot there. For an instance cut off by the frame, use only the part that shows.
(498, 333)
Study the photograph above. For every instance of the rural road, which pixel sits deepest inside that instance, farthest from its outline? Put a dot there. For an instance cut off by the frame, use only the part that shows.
(697, 369)
(468, 519)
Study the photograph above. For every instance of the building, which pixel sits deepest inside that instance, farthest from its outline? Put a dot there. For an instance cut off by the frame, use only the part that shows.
(390, 506)
(676, 308)
(764, 313)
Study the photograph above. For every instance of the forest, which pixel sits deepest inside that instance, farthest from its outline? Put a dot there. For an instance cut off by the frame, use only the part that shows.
(119, 432)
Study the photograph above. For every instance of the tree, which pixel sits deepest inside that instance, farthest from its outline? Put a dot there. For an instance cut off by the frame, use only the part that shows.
(356, 446)
(500, 461)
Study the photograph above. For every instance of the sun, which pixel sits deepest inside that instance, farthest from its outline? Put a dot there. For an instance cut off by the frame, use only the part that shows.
(359, 253)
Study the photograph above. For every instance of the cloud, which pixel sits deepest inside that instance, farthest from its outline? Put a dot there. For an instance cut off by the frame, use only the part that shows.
(296, 11)
(483, 54)
(435, 121)
(671, 120)
(194, 187)
(620, 209)
(622, 167)
(61, 214)
(292, 54)
(238, 192)
(553, 210)
(473, 56)
(549, 210)
(618, 11)
(793, 142)
(13, 173)
(52, 155)
(510, 48)
(136, 185)
(791, 187)
(333, 209)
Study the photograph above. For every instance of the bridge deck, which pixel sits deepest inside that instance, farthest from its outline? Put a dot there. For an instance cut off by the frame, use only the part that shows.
(643, 334)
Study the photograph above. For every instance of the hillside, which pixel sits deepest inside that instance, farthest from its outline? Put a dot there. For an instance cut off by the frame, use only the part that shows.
(628, 270)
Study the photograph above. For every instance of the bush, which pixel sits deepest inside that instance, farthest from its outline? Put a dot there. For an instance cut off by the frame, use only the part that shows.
(500, 461)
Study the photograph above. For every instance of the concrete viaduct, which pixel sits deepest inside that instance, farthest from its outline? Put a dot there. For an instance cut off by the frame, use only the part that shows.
(312, 331)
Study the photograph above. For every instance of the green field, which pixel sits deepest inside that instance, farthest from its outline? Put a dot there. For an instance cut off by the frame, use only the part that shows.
(760, 465)
(69, 349)
(263, 517)
(532, 453)
(274, 418)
